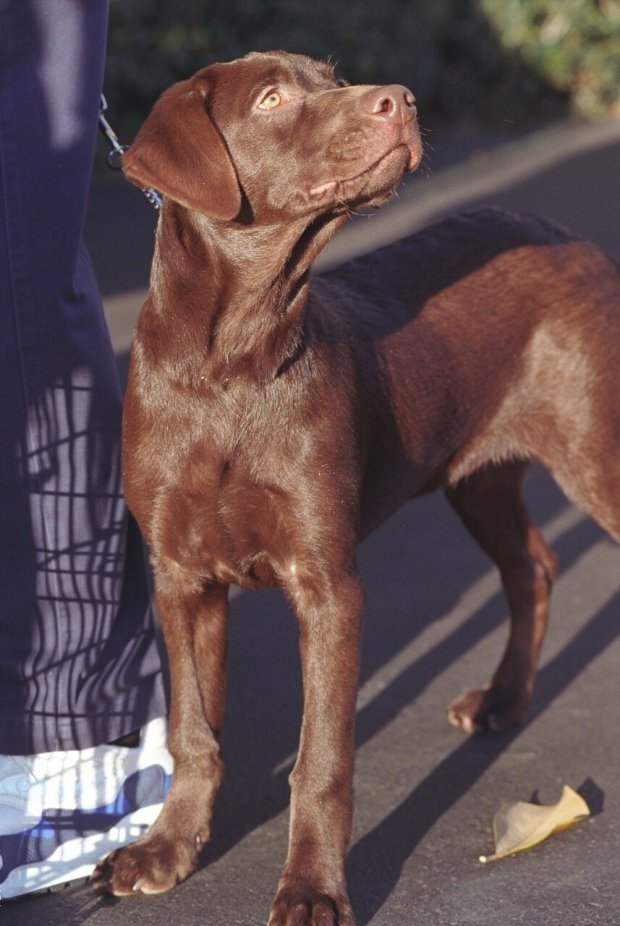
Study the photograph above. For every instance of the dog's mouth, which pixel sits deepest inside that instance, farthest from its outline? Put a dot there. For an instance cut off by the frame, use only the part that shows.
(402, 158)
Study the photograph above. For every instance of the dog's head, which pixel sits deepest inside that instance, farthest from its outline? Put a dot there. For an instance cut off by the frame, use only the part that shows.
(274, 135)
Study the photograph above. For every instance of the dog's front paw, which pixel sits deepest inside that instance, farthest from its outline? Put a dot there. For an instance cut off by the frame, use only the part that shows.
(301, 905)
(151, 865)
(487, 709)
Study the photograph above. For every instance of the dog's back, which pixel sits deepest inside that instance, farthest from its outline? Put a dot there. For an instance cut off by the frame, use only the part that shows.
(488, 334)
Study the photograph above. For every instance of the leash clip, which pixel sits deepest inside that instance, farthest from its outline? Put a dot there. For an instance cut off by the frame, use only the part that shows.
(114, 155)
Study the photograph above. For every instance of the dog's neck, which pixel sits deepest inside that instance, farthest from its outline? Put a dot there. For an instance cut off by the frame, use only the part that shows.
(239, 292)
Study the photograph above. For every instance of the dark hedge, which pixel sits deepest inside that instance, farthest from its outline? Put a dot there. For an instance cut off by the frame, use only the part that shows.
(472, 60)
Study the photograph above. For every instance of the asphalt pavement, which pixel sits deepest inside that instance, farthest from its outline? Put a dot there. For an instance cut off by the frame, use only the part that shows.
(435, 625)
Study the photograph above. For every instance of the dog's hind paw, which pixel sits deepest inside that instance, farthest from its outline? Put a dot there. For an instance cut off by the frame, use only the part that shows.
(487, 710)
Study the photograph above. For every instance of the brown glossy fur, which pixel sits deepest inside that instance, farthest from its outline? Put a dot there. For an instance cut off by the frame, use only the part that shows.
(271, 421)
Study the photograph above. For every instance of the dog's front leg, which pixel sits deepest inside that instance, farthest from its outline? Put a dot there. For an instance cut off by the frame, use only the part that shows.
(194, 620)
(312, 889)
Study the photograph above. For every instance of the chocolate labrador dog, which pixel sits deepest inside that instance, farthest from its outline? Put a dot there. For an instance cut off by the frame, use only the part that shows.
(272, 420)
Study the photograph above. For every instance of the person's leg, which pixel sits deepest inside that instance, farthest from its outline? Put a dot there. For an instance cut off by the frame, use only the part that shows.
(79, 663)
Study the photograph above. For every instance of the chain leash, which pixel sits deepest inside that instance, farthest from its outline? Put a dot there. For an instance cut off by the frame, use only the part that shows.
(114, 155)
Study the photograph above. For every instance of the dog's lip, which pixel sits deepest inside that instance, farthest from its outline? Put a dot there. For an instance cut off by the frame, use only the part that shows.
(414, 156)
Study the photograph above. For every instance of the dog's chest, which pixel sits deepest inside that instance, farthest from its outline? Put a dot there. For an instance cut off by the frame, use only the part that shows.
(244, 485)
(223, 519)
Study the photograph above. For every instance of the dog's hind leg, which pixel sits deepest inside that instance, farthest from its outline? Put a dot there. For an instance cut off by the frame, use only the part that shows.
(194, 620)
(592, 481)
(490, 505)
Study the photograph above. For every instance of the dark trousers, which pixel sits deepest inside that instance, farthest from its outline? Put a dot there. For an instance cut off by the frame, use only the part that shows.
(79, 663)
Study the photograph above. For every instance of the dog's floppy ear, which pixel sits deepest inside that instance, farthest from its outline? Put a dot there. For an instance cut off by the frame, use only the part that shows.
(179, 152)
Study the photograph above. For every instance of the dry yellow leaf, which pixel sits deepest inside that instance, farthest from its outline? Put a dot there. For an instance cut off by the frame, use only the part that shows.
(518, 826)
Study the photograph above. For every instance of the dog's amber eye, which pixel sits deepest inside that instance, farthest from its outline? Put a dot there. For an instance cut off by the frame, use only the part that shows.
(270, 100)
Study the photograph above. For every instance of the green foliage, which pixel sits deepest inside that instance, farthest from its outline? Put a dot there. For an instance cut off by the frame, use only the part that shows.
(573, 45)
(503, 60)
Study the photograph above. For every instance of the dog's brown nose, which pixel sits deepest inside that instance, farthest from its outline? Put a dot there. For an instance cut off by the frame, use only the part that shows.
(393, 103)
